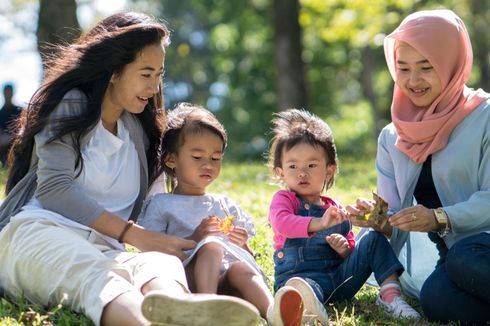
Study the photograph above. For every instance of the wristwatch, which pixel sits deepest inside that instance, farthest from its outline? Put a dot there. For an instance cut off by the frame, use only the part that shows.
(443, 221)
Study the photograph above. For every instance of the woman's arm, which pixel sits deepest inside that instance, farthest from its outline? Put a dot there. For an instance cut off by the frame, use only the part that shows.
(56, 187)
(461, 173)
(473, 214)
(112, 225)
(57, 190)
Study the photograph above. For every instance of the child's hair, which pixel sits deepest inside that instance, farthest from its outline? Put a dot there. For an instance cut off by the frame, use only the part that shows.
(185, 119)
(293, 127)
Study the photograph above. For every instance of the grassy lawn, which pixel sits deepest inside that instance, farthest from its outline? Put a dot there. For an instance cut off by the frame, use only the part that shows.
(250, 186)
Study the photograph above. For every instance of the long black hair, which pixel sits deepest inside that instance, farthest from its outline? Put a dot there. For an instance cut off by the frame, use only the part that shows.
(88, 65)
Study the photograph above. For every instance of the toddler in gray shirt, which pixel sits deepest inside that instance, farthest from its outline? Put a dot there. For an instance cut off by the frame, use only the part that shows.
(222, 262)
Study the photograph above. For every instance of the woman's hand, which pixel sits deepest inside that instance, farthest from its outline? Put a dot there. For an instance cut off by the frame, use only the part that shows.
(146, 240)
(239, 236)
(112, 225)
(417, 218)
(364, 206)
(208, 226)
(339, 243)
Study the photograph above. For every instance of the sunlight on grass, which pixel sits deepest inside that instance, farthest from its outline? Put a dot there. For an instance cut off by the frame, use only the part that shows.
(3, 178)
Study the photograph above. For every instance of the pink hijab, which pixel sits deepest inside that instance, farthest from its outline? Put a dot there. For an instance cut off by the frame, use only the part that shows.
(441, 37)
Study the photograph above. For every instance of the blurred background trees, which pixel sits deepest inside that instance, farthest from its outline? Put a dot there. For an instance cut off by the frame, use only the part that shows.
(57, 23)
(245, 59)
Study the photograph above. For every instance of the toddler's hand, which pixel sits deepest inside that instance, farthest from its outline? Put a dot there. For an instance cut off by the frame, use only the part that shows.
(333, 216)
(339, 243)
(361, 207)
(208, 226)
(364, 206)
(238, 235)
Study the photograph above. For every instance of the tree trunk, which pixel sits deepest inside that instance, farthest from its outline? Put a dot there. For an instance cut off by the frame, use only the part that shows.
(479, 40)
(291, 88)
(57, 24)
(367, 81)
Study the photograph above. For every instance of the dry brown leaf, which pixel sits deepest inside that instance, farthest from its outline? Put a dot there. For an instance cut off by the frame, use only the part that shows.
(379, 213)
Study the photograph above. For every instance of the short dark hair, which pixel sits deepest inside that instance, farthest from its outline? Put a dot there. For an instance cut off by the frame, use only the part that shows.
(185, 119)
(292, 127)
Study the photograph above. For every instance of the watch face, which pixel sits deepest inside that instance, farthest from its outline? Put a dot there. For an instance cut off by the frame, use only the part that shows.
(442, 219)
(441, 216)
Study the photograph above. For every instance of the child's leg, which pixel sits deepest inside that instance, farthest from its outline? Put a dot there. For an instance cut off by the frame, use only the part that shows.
(372, 253)
(241, 280)
(203, 273)
(286, 308)
(390, 288)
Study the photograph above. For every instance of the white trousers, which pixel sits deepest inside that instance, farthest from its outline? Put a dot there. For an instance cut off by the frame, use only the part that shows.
(50, 263)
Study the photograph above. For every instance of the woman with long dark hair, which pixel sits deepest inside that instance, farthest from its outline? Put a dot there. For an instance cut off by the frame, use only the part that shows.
(85, 152)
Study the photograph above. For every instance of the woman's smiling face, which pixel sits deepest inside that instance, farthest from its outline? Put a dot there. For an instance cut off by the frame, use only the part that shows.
(139, 80)
(416, 77)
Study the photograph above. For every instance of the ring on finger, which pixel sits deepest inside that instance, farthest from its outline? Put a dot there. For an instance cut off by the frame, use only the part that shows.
(414, 217)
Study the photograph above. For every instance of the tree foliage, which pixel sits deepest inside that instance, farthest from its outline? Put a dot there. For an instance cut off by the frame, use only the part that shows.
(223, 58)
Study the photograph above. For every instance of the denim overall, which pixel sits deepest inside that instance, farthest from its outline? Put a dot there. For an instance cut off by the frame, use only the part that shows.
(331, 277)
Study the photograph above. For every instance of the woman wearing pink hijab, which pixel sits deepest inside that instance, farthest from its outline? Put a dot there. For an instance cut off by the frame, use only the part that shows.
(433, 167)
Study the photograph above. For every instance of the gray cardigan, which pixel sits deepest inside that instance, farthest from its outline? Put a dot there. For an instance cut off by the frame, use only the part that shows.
(51, 176)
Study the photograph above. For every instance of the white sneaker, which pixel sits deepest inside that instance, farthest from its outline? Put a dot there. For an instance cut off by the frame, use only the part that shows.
(398, 308)
(287, 309)
(198, 309)
(314, 309)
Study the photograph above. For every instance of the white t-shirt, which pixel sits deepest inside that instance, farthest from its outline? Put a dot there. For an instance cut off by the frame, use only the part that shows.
(110, 175)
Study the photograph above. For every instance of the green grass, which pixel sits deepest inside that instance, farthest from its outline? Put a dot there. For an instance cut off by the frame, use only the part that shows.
(251, 187)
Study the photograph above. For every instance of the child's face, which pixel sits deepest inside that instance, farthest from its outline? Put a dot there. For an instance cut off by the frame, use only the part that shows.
(198, 162)
(305, 171)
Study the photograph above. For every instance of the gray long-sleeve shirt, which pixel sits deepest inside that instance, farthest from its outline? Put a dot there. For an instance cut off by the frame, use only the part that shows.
(51, 177)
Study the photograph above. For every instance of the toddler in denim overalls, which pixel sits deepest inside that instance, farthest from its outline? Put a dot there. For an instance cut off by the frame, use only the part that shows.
(315, 250)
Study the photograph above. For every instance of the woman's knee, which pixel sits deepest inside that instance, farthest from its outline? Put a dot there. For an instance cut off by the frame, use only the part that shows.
(157, 270)
(158, 264)
(160, 258)
(457, 263)
(468, 258)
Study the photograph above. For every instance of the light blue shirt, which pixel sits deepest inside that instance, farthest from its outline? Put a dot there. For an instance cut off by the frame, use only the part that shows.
(461, 173)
